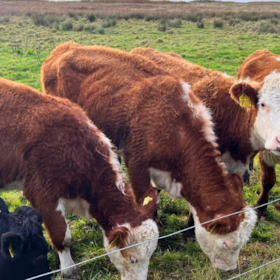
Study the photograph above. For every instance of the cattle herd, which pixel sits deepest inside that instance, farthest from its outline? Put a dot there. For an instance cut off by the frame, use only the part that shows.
(179, 127)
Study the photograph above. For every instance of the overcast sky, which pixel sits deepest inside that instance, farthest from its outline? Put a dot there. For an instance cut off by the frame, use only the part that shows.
(232, 0)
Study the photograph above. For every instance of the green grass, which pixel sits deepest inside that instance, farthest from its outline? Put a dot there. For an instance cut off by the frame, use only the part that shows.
(23, 48)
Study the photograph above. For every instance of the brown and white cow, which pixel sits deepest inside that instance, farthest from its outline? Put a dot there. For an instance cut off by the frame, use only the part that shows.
(64, 164)
(258, 66)
(167, 136)
(242, 132)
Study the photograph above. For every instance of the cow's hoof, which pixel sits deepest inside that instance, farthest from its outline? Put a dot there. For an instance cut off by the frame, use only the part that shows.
(70, 274)
(261, 214)
(189, 236)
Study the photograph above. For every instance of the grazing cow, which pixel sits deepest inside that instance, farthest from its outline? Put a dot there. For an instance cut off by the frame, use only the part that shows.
(166, 133)
(64, 164)
(242, 132)
(23, 249)
(257, 67)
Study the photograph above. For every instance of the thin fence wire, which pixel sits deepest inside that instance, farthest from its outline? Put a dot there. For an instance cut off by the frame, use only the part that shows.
(158, 238)
(253, 269)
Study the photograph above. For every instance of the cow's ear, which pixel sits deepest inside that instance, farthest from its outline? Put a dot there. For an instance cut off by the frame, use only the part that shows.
(245, 93)
(150, 201)
(11, 244)
(120, 237)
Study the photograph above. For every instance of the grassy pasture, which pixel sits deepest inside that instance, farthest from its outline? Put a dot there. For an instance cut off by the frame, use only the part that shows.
(23, 48)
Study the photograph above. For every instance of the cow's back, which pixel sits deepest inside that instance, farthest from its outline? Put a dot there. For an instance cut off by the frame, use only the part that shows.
(258, 65)
(176, 65)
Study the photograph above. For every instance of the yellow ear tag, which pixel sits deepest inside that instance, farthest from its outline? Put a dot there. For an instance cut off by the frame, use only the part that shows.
(115, 242)
(244, 100)
(212, 230)
(11, 251)
(147, 200)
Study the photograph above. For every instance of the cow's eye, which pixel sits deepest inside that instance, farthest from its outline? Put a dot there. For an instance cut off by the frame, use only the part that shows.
(262, 104)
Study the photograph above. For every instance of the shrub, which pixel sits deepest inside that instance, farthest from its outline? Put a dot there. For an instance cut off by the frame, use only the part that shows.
(78, 27)
(136, 16)
(163, 25)
(176, 23)
(67, 25)
(91, 17)
(234, 21)
(218, 23)
(264, 27)
(109, 22)
(48, 20)
(150, 18)
(193, 18)
(200, 24)
(4, 19)
(89, 28)
(99, 31)
(73, 16)
(274, 21)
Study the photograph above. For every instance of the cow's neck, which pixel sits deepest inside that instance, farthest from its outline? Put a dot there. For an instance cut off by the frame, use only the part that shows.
(233, 124)
(112, 207)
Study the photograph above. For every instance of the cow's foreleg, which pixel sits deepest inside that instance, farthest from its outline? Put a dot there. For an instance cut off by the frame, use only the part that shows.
(268, 179)
(56, 225)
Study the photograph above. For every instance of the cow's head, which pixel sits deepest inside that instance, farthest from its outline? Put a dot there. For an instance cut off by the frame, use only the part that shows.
(265, 99)
(23, 249)
(133, 263)
(223, 249)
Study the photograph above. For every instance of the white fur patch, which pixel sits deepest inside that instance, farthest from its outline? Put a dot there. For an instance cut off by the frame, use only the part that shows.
(65, 255)
(77, 206)
(267, 127)
(113, 160)
(271, 158)
(135, 267)
(234, 166)
(200, 111)
(162, 180)
(65, 259)
(277, 58)
(16, 185)
(223, 250)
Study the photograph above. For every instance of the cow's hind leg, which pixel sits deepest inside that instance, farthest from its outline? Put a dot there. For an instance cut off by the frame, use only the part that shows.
(56, 225)
(189, 235)
(268, 179)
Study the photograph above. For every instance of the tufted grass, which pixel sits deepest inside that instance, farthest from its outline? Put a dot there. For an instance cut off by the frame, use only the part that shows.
(23, 48)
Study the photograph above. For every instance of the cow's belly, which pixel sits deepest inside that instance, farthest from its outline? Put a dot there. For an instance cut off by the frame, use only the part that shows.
(16, 185)
(162, 180)
(77, 206)
(234, 166)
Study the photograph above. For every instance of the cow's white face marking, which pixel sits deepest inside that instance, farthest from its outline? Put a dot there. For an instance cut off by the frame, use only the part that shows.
(223, 250)
(277, 58)
(234, 166)
(162, 180)
(266, 132)
(135, 267)
(16, 185)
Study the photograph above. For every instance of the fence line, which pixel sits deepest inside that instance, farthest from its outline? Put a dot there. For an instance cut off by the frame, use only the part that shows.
(158, 238)
(253, 269)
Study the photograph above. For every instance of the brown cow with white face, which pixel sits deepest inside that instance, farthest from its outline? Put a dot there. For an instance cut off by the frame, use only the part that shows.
(167, 136)
(258, 66)
(64, 164)
(242, 132)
